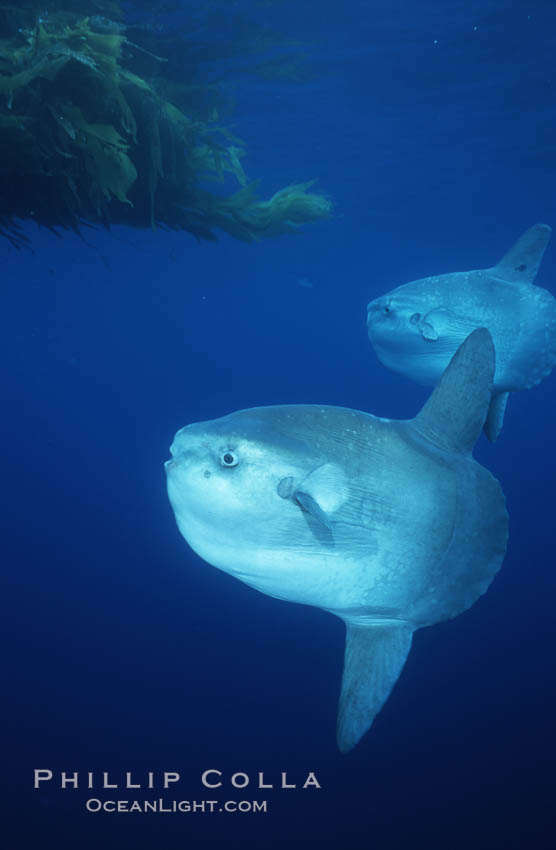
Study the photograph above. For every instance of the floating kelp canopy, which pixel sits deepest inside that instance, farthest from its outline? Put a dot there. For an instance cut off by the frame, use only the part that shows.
(97, 125)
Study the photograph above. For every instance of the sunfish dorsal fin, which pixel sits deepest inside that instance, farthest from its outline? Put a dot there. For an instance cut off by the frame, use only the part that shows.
(373, 660)
(454, 414)
(522, 261)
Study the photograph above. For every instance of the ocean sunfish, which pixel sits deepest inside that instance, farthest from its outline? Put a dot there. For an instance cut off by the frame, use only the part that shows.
(391, 525)
(416, 328)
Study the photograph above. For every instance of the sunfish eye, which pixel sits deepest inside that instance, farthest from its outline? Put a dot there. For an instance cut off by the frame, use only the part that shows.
(387, 308)
(229, 459)
(415, 318)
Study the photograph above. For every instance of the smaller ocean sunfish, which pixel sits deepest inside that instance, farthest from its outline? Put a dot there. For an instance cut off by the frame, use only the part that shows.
(416, 328)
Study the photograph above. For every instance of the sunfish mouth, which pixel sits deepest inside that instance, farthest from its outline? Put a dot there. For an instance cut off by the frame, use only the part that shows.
(377, 303)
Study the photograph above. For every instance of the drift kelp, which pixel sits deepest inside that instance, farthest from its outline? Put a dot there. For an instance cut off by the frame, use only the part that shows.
(104, 122)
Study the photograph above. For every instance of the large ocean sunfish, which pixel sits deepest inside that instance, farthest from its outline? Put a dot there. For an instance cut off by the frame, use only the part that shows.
(391, 525)
(416, 328)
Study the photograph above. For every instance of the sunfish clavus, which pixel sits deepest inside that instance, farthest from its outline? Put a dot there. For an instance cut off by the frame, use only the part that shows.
(390, 525)
(416, 328)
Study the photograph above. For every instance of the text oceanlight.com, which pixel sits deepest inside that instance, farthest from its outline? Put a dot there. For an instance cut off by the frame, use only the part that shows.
(175, 806)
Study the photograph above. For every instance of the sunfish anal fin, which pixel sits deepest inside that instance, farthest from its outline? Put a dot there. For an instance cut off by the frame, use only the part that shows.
(455, 413)
(373, 660)
(522, 261)
(495, 416)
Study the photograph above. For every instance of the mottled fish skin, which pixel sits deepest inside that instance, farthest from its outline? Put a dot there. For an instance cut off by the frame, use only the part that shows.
(389, 525)
(416, 328)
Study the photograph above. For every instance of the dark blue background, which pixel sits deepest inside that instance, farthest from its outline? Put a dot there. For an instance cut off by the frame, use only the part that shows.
(432, 127)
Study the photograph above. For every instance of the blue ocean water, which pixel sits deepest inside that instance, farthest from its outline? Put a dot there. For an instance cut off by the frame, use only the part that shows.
(432, 127)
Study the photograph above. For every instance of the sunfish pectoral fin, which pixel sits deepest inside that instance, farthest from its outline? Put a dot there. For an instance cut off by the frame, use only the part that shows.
(427, 330)
(373, 660)
(441, 323)
(322, 492)
(495, 416)
(309, 504)
(455, 413)
(522, 261)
